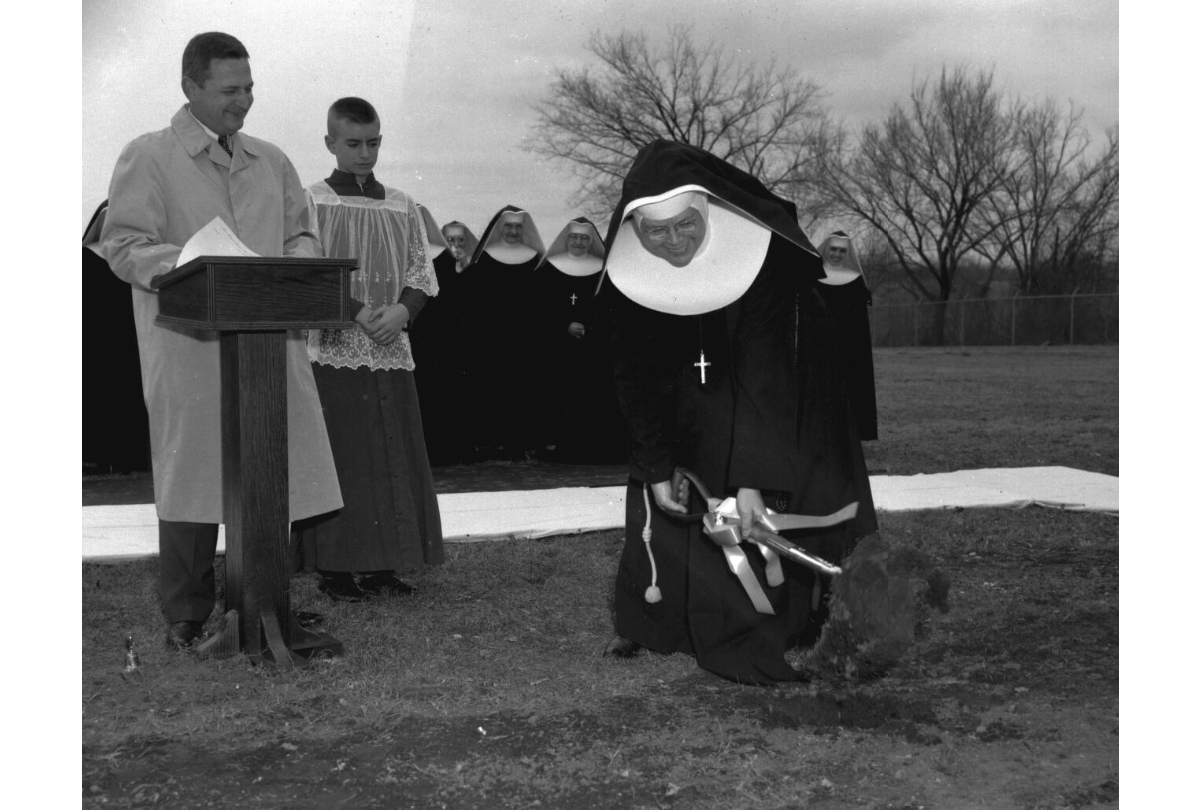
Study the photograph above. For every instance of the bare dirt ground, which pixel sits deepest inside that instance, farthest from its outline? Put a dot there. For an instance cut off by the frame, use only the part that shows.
(481, 693)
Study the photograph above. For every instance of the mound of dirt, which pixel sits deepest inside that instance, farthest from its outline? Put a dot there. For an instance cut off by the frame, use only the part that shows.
(873, 611)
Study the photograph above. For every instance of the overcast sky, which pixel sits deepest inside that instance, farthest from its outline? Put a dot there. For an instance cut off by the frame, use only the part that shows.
(455, 81)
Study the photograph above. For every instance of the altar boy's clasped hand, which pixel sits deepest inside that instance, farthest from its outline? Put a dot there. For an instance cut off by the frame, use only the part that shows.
(384, 324)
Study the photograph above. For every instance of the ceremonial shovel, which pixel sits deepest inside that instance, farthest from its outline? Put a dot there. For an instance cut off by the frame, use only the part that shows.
(724, 530)
(872, 616)
(722, 525)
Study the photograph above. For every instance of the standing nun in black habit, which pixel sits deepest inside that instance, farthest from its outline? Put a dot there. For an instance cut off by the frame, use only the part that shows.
(502, 334)
(845, 291)
(462, 243)
(582, 420)
(436, 336)
(717, 338)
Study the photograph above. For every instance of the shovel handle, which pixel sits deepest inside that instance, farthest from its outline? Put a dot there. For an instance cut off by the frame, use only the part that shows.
(792, 551)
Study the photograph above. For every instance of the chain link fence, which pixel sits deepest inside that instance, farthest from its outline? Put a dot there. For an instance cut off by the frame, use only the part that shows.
(1091, 318)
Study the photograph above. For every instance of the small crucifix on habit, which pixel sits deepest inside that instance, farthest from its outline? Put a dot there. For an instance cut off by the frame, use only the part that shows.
(702, 365)
(572, 299)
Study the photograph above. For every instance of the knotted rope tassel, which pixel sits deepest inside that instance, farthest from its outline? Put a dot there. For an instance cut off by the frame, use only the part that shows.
(653, 594)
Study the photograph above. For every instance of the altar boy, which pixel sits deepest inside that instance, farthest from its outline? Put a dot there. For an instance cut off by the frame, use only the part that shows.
(390, 521)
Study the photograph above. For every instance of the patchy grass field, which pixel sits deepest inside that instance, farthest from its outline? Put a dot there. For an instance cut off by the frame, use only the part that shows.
(486, 689)
(961, 409)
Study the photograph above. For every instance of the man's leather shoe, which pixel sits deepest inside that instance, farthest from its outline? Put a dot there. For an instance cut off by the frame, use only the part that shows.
(384, 583)
(307, 619)
(181, 635)
(622, 648)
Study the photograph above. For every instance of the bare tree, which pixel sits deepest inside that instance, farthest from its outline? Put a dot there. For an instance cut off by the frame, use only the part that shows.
(762, 119)
(922, 177)
(1055, 213)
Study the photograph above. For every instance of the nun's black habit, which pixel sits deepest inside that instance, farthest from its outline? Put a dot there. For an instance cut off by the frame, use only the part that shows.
(582, 420)
(501, 329)
(771, 413)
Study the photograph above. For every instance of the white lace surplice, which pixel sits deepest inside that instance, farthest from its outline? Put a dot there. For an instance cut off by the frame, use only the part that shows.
(388, 238)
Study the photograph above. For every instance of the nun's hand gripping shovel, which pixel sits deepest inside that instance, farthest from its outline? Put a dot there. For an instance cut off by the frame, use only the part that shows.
(722, 525)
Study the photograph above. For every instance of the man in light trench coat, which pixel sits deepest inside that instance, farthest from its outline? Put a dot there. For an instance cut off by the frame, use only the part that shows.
(166, 186)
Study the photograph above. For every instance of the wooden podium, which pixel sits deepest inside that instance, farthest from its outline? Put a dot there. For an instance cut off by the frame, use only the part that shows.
(252, 302)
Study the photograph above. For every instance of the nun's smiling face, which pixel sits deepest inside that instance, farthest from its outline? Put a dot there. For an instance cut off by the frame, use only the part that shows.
(512, 232)
(675, 240)
(578, 243)
(836, 253)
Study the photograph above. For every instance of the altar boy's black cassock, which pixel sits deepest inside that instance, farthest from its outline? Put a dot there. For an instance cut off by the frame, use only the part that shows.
(772, 414)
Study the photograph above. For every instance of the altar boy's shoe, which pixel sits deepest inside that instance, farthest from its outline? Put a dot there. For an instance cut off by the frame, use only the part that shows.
(384, 583)
(340, 586)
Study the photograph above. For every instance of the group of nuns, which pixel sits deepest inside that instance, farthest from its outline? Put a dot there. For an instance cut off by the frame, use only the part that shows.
(511, 355)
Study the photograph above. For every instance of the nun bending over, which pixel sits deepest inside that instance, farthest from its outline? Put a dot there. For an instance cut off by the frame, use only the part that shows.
(722, 355)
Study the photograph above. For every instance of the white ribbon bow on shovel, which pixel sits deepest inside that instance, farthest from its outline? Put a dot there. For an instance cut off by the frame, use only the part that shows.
(722, 525)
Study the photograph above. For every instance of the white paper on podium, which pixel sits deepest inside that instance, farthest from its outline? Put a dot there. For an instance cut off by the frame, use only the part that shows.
(214, 239)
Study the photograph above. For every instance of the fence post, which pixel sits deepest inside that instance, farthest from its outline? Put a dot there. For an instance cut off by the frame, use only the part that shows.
(916, 320)
(1013, 323)
(962, 320)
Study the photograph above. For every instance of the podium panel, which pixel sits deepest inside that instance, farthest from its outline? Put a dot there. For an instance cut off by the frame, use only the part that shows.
(253, 302)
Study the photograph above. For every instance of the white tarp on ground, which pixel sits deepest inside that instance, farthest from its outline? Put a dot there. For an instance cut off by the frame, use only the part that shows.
(1017, 487)
(112, 533)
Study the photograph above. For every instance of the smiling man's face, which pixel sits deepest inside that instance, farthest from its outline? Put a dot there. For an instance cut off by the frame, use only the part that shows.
(222, 102)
